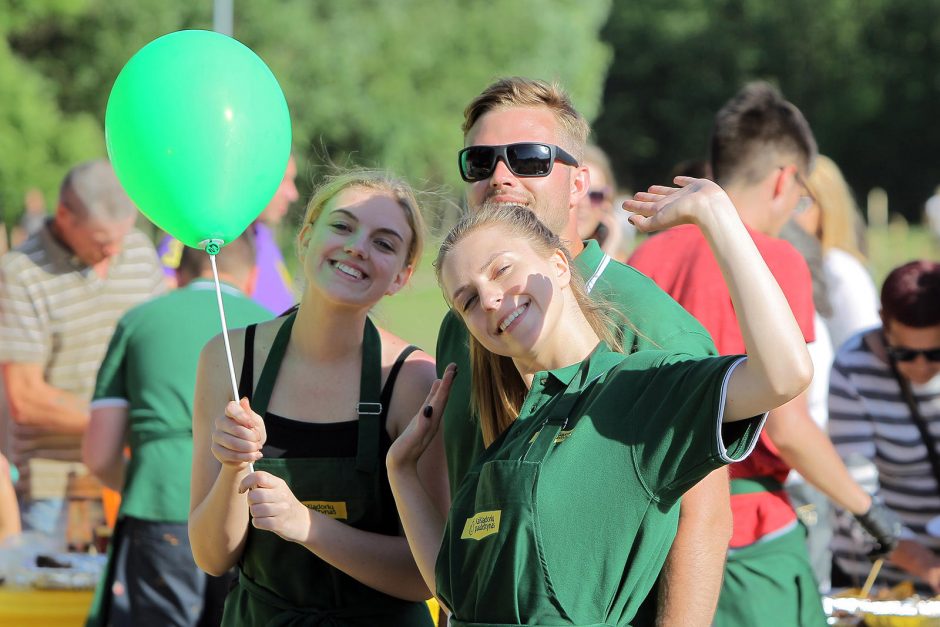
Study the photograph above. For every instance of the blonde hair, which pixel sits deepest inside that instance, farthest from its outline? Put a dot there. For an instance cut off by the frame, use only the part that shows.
(378, 181)
(497, 388)
(516, 91)
(840, 220)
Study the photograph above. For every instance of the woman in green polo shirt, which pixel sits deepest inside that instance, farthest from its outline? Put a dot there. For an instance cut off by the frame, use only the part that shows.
(312, 526)
(567, 517)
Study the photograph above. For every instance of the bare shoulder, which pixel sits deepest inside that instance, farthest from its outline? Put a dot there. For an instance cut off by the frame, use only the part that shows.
(264, 337)
(414, 380)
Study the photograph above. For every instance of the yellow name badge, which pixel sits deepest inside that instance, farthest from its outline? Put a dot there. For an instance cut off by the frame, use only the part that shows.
(481, 525)
(333, 509)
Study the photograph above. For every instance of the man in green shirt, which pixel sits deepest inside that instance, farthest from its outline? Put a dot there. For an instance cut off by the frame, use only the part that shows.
(523, 145)
(143, 399)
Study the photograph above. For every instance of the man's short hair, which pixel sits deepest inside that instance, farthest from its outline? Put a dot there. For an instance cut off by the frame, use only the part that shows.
(236, 258)
(516, 91)
(91, 190)
(756, 131)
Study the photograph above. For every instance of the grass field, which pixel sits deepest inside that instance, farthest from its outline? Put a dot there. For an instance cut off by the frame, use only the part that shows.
(415, 312)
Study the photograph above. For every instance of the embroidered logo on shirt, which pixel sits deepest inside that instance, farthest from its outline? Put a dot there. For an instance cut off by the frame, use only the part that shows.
(333, 509)
(481, 525)
(561, 437)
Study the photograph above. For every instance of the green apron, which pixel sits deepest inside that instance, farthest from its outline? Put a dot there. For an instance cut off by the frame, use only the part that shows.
(772, 578)
(505, 577)
(283, 583)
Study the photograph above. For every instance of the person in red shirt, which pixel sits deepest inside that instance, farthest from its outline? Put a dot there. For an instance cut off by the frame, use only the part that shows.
(762, 150)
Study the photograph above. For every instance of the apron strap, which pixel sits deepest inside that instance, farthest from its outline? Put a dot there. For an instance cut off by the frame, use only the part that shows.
(272, 365)
(370, 408)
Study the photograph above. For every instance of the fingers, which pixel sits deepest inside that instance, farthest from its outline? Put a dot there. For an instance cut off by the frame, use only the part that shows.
(259, 479)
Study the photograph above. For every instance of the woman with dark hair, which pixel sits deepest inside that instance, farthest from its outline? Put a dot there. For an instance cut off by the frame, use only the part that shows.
(884, 407)
(568, 515)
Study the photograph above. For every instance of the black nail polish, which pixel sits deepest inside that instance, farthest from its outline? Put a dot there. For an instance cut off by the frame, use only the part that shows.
(428, 410)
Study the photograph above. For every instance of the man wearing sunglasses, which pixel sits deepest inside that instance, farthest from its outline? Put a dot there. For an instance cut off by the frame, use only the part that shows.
(884, 405)
(761, 149)
(524, 145)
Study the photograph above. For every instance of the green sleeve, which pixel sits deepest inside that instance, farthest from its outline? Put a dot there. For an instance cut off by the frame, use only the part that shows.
(652, 319)
(112, 374)
(678, 424)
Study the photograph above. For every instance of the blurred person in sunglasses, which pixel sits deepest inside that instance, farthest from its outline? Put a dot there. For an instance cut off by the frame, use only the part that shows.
(762, 150)
(884, 406)
(596, 217)
(525, 145)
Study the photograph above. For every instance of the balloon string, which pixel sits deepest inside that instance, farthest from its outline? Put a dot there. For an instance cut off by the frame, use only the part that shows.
(228, 347)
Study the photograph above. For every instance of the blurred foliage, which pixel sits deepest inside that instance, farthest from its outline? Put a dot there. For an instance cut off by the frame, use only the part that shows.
(866, 73)
(368, 82)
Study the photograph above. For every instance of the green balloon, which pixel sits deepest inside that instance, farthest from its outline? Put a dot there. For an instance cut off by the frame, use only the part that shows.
(198, 131)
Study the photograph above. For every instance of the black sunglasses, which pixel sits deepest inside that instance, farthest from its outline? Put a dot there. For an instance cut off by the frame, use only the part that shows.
(523, 159)
(902, 353)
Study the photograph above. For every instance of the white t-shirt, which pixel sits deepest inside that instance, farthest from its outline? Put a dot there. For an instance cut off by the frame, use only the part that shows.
(852, 295)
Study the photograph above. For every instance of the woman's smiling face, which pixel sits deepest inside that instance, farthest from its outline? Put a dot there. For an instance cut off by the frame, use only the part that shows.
(506, 291)
(356, 250)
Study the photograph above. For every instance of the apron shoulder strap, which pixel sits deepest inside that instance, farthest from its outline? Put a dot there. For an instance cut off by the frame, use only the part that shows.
(247, 378)
(370, 408)
(271, 367)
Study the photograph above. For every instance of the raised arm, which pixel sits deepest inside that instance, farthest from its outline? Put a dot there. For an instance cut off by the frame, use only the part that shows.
(218, 520)
(778, 366)
(421, 517)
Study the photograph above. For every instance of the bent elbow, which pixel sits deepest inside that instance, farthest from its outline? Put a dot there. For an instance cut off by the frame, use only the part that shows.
(795, 378)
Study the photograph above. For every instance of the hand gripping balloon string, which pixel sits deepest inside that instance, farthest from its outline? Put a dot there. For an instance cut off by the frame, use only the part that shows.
(212, 247)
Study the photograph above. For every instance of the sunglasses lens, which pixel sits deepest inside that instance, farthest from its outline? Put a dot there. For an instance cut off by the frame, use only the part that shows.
(476, 162)
(903, 354)
(529, 159)
(909, 354)
(597, 197)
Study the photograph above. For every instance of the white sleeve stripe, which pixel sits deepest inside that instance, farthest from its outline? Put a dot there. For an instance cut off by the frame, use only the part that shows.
(105, 403)
(722, 449)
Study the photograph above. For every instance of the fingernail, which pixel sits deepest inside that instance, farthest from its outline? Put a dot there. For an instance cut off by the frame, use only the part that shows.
(428, 410)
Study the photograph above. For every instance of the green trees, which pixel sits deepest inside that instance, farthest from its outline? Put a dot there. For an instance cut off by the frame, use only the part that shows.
(864, 72)
(369, 82)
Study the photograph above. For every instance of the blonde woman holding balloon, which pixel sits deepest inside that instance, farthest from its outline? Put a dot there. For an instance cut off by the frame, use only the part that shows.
(290, 484)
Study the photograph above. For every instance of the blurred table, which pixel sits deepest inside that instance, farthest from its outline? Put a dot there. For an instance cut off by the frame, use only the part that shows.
(21, 607)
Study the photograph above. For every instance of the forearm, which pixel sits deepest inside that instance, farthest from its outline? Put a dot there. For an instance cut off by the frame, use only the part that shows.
(112, 475)
(378, 561)
(46, 407)
(218, 526)
(691, 578)
(9, 509)
(778, 365)
(806, 448)
(422, 521)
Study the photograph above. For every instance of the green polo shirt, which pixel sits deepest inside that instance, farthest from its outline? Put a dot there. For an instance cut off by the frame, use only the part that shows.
(662, 324)
(150, 368)
(606, 500)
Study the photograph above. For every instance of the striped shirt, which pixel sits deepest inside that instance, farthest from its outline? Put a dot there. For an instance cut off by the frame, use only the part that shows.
(57, 312)
(869, 422)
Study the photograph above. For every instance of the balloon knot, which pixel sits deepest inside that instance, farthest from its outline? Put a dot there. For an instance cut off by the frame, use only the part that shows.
(212, 246)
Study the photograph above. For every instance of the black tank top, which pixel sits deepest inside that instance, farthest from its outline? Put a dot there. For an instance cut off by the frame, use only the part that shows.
(289, 438)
